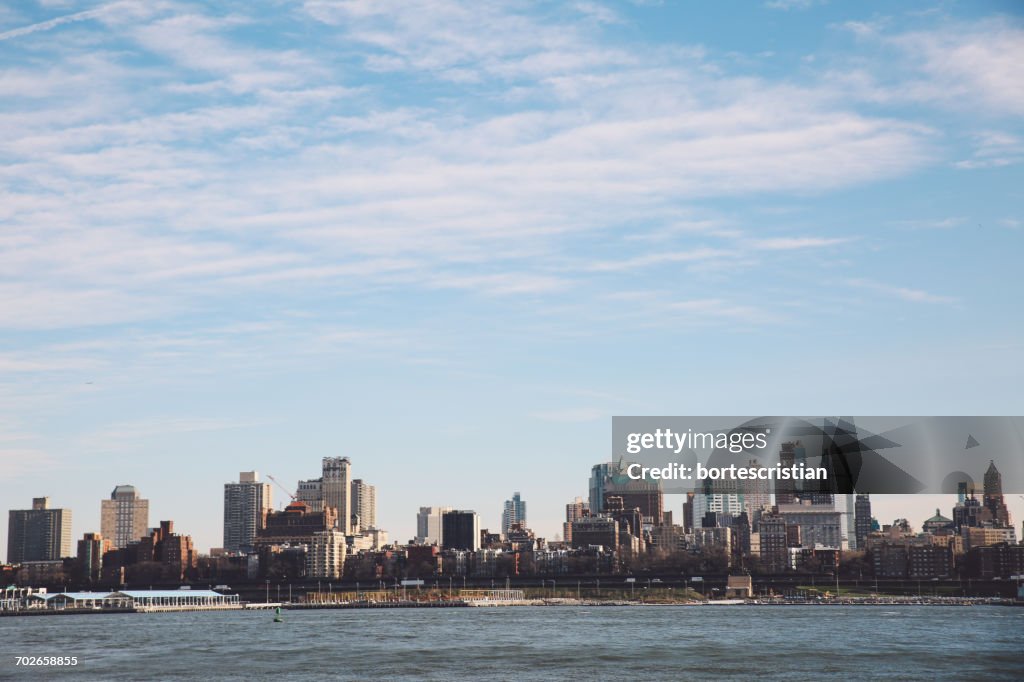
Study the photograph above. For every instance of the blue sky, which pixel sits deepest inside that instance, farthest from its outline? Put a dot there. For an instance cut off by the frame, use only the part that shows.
(450, 239)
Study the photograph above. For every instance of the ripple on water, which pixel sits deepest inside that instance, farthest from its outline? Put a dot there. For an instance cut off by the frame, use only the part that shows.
(530, 643)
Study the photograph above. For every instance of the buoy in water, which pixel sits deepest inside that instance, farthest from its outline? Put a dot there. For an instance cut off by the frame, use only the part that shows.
(277, 615)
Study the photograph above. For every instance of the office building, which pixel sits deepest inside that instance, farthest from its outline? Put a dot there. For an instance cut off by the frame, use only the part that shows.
(336, 489)
(89, 559)
(246, 504)
(993, 496)
(364, 505)
(773, 542)
(514, 512)
(611, 479)
(756, 493)
(429, 529)
(124, 517)
(39, 533)
(719, 497)
(817, 525)
(599, 475)
(796, 491)
(861, 521)
(310, 493)
(460, 529)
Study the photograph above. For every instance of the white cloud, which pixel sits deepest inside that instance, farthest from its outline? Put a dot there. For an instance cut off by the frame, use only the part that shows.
(902, 293)
(57, 21)
(278, 168)
(993, 149)
(971, 66)
(796, 243)
(793, 4)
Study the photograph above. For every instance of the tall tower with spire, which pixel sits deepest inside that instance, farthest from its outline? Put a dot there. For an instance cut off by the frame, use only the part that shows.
(993, 497)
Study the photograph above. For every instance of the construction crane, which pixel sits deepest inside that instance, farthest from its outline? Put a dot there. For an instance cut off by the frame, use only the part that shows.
(279, 485)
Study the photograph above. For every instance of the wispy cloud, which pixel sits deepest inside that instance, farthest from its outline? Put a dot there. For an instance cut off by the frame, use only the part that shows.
(571, 414)
(967, 65)
(60, 21)
(994, 149)
(902, 293)
(793, 4)
(932, 224)
(797, 243)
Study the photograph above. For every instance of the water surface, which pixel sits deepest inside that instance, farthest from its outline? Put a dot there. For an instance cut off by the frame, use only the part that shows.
(530, 643)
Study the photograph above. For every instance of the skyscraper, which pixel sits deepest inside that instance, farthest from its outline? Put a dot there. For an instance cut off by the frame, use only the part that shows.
(862, 520)
(716, 497)
(514, 512)
(796, 491)
(364, 504)
(429, 529)
(600, 474)
(336, 488)
(756, 492)
(993, 497)
(124, 517)
(611, 479)
(461, 530)
(245, 506)
(39, 533)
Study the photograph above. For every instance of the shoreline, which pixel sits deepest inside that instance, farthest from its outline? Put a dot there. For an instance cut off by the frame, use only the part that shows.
(411, 604)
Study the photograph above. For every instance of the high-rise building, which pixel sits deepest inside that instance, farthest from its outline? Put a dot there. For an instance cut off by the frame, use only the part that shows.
(688, 512)
(574, 511)
(717, 497)
(246, 504)
(310, 493)
(862, 520)
(773, 543)
(326, 555)
(993, 497)
(39, 533)
(460, 529)
(970, 514)
(611, 479)
(89, 560)
(364, 504)
(817, 525)
(756, 492)
(993, 481)
(124, 517)
(847, 503)
(336, 488)
(514, 512)
(429, 528)
(599, 475)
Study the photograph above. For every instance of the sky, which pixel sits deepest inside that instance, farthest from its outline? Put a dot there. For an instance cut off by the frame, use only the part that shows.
(450, 240)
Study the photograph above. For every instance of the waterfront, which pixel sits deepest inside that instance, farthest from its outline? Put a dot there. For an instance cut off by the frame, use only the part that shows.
(529, 643)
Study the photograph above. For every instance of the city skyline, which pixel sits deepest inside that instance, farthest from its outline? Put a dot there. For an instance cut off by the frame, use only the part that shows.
(908, 506)
(456, 238)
